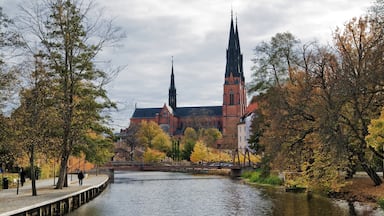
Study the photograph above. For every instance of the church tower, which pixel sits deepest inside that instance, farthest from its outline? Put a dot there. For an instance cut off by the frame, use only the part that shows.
(172, 91)
(234, 95)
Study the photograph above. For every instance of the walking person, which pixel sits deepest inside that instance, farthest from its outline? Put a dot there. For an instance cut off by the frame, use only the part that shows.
(22, 177)
(80, 176)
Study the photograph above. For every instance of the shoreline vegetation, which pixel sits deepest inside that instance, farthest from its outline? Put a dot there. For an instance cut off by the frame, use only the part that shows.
(359, 195)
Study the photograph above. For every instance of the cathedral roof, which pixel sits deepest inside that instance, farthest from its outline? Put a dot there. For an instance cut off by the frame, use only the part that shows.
(199, 111)
(180, 111)
(146, 112)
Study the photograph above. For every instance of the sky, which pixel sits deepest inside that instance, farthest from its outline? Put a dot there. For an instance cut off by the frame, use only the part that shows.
(195, 33)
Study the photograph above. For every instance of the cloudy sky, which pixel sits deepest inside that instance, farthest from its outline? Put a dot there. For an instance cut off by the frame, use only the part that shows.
(195, 33)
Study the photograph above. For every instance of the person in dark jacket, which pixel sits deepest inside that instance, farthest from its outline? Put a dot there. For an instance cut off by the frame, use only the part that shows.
(22, 177)
(80, 176)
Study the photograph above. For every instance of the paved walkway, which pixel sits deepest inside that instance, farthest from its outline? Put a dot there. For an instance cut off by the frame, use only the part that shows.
(10, 201)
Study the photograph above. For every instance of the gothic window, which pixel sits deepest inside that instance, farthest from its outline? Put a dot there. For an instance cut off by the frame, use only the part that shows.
(231, 98)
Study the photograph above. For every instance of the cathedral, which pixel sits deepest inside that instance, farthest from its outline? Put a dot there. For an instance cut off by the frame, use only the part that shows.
(174, 120)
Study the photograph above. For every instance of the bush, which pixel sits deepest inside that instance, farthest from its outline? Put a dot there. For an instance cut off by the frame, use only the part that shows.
(381, 203)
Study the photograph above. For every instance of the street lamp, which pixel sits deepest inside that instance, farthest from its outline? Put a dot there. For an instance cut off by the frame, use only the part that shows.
(218, 147)
(178, 149)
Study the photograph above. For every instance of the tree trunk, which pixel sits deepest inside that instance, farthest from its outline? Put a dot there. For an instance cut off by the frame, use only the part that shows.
(62, 173)
(370, 171)
(32, 170)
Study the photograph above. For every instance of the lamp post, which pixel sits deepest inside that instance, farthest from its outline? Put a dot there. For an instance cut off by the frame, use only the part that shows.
(218, 147)
(178, 149)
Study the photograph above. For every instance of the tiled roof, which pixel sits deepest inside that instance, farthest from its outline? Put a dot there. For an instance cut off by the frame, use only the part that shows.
(180, 111)
(251, 107)
(199, 111)
(146, 112)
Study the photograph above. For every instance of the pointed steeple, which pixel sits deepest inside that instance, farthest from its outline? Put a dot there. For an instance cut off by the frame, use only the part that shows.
(234, 64)
(172, 91)
(239, 52)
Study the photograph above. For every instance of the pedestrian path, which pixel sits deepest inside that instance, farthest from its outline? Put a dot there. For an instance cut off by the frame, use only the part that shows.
(11, 201)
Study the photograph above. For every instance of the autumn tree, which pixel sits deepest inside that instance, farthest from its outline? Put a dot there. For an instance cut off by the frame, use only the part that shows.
(148, 130)
(361, 47)
(210, 136)
(200, 152)
(162, 142)
(324, 106)
(69, 42)
(97, 145)
(34, 118)
(375, 137)
(9, 41)
(188, 142)
(8, 153)
(153, 156)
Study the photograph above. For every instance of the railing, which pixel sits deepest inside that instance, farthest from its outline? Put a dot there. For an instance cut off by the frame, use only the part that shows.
(62, 205)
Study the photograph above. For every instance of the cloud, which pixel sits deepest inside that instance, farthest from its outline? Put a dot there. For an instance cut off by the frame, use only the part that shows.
(196, 34)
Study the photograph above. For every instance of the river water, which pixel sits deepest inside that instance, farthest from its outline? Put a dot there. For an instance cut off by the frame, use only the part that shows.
(168, 194)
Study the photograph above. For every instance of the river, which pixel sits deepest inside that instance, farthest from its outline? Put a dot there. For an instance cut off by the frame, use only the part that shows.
(168, 194)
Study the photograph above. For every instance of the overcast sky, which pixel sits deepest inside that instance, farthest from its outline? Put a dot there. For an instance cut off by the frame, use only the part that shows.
(195, 33)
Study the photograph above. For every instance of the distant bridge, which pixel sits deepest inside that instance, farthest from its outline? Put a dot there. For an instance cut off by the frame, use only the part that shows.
(235, 169)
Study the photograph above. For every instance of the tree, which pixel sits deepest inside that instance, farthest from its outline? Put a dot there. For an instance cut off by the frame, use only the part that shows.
(34, 118)
(8, 153)
(274, 62)
(129, 135)
(188, 143)
(324, 106)
(199, 153)
(9, 41)
(98, 147)
(162, 142)
(153, 156)
(361, 47)
(147, 132)
(210, 136)
(69, 43)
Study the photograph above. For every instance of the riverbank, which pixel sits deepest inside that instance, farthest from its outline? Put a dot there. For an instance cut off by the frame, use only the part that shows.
(359, 196)
(362, 190)
(12, 203)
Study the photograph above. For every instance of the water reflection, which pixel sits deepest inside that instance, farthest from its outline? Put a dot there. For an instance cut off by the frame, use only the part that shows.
(158, 193)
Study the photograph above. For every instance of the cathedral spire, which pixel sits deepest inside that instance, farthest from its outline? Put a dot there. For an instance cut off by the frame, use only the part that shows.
(172, 90)
(234, 64)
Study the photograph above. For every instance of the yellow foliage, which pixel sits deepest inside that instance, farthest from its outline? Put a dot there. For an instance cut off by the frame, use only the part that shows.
(147, 132)
(153, 156)
(199, 153)
(375, 137)
(161, 142)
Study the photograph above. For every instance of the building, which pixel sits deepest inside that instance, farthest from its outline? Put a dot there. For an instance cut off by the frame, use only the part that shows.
(175, 120)
(244, 127)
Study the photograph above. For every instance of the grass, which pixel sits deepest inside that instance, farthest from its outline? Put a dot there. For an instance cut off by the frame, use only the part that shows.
(256, 178)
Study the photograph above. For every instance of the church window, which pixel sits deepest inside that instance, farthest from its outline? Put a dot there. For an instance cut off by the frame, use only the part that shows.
(231, 98)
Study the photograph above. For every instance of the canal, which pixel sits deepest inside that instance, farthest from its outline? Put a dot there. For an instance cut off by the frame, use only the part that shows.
(167, 194)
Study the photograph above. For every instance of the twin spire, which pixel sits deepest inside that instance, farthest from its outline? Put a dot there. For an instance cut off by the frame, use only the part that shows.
(234, 66)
